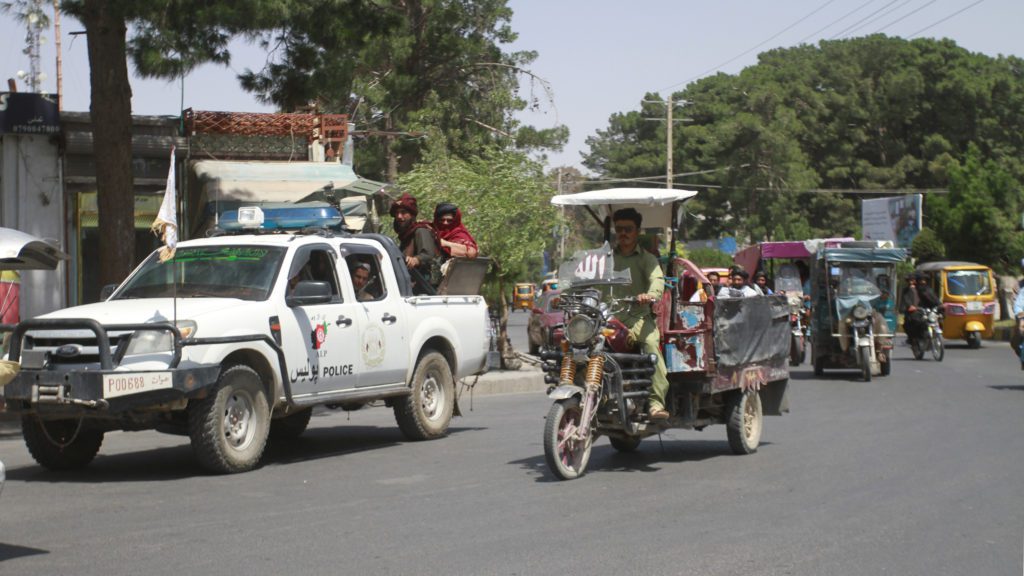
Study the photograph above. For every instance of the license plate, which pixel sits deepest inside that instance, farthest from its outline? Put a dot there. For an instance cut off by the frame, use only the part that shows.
(115, 385)
(975, 306)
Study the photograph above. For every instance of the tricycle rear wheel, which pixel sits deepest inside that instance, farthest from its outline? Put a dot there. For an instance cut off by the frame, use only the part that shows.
(746, 422)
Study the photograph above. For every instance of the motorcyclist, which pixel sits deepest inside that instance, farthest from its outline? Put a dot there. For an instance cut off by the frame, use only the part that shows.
(647, 287)
(916, 295)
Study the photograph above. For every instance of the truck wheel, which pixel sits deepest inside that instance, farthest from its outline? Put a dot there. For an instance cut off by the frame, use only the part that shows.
(229, 427)
(628, 444)
(60, 444)
(291, 426)
(745, 422)
(426, 413)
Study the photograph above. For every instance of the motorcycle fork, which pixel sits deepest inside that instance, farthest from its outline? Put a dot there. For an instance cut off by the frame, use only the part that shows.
(592, 382)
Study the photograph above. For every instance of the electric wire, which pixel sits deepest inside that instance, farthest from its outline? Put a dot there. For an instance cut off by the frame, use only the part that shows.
(774, 36)
(905, 16)
(880, 16)
(946, 18)
(829, 25)
(859, 22)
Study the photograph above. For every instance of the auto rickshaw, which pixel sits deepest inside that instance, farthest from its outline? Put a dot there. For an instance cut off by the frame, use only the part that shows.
(968, 295)
(725, 358)
(524, 295)
(853, 316)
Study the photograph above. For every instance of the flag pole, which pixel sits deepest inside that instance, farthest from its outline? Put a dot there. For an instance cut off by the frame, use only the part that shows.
(166, 226)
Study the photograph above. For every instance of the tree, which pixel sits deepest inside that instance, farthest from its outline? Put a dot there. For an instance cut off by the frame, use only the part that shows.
(171, 38)
(927, 247)
(406, 70)
(979, 220)
(864, 113)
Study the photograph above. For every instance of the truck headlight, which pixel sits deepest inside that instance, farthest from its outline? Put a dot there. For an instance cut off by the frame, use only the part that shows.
(580, 329)
(154, 341)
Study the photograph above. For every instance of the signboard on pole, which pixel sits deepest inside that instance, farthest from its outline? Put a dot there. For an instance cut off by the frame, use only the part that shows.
(28, 113)
(896, 218)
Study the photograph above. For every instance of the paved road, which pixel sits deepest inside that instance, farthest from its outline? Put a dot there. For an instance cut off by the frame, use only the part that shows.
(915, 474)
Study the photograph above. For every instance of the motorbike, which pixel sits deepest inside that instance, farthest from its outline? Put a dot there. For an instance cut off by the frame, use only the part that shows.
(615, 383)
(931, 338)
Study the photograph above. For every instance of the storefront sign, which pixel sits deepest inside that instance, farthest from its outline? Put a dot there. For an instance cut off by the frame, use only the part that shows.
(28, 113)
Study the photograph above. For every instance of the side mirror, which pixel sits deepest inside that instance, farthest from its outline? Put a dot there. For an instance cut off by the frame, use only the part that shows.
(107, 291)
(308, 293)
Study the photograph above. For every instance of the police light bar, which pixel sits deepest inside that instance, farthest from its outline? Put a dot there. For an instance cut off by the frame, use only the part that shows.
(287, 218)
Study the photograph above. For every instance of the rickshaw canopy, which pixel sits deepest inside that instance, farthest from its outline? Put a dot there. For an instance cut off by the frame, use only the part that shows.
(893, 255)
(21, 251)
(650, 202)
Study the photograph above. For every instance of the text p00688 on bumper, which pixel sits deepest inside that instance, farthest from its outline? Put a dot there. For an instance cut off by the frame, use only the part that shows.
(111, 391)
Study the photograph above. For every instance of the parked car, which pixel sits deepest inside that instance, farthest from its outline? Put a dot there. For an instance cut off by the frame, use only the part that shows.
(545, 325)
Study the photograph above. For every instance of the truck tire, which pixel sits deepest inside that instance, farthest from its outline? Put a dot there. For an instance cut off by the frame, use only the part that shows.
(745, 422)
(229, 427)
(60, 444)
(291, 426)
(426, 413)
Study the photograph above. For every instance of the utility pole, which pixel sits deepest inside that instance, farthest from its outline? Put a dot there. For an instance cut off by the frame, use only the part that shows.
(56, 33)
(668, 142)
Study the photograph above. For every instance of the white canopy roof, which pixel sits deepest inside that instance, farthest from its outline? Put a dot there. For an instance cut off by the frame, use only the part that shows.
(652, 203)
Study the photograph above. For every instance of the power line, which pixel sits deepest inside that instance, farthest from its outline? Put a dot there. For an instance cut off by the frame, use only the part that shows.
(946, 18)
(904, 17)
(858, 22)
(774, 36)
(880, 16)
(829, 25)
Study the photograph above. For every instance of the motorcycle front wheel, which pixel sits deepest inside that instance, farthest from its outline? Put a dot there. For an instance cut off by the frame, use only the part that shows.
(938, 348)
(566, 455)
(865, 363)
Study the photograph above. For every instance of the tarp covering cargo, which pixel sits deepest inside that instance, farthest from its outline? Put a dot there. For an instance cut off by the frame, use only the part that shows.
(751, 330)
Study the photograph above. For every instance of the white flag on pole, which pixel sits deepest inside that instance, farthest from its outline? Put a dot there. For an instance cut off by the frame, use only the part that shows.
(166, 223)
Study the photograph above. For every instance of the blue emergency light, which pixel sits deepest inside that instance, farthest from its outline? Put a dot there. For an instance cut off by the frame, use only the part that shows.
(284, 218)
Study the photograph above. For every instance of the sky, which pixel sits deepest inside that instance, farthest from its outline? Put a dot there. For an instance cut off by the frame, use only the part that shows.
(599, 57)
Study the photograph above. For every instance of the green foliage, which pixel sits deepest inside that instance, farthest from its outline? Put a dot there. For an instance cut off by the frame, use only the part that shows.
(406, 72)
(927, 247)
(864, 113)
(980, 217)
(505, 202)
(709, 258)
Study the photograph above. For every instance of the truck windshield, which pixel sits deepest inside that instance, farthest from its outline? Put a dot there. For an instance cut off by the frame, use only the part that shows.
(243, 272)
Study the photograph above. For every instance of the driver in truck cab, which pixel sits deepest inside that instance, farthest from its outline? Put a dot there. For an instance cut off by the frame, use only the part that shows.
(648, 286)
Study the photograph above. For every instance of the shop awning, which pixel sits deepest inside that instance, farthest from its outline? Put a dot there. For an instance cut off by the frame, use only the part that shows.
(264, 181)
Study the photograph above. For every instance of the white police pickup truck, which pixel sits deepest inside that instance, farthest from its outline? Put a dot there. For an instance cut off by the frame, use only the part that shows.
(237, 338)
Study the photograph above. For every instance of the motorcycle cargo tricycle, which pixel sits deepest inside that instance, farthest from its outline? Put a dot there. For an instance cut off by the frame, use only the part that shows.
(726, 359)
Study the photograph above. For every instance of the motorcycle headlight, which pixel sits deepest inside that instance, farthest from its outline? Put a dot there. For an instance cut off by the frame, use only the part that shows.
(580, 329)
(155, 341)
(860, 312)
